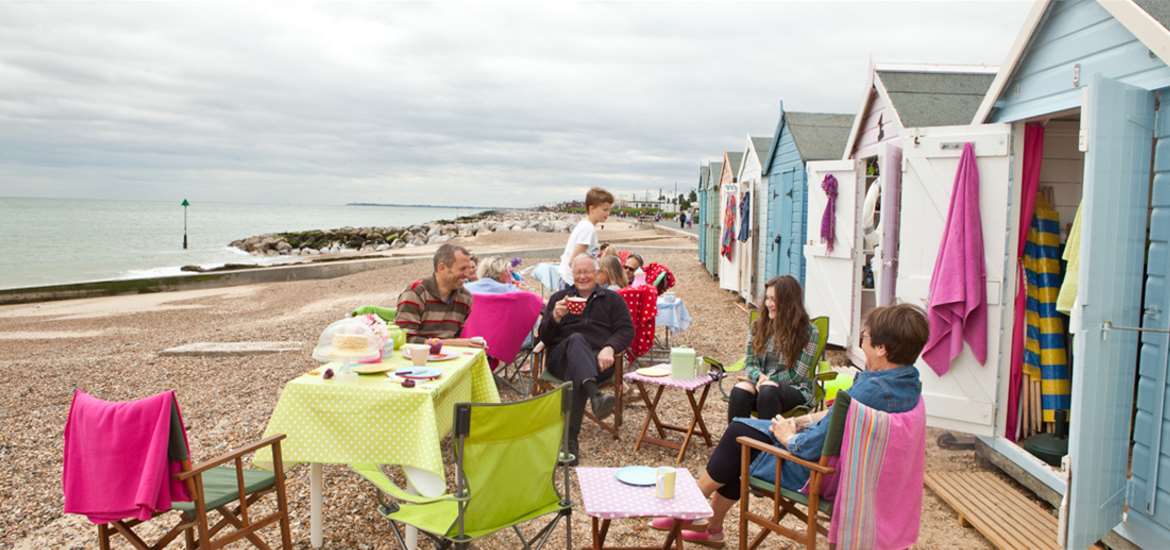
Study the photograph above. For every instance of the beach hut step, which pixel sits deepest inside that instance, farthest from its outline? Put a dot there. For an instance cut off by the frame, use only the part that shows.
(997, 510)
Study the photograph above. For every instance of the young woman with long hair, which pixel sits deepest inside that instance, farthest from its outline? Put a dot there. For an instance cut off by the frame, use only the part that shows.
(611, 275)
(780, 350)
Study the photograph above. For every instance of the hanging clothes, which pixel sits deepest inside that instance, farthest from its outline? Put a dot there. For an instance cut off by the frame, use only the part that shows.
(1072, 258)
(728, 246)
(1033, 160)
(745, 214)
(829, 218)
(1045, 353)
(958, 287)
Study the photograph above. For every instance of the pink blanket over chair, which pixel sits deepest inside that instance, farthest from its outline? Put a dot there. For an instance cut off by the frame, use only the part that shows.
(116, 462)
(503, 320)
(878, 502)
(958, 286)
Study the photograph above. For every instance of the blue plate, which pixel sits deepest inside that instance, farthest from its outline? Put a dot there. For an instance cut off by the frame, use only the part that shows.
(418, 372)
(638, 476)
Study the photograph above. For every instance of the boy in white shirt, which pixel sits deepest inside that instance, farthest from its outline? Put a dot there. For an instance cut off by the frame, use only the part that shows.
(583, 239)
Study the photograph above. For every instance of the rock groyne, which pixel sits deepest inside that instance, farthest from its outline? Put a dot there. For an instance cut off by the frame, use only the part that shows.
(379, 239)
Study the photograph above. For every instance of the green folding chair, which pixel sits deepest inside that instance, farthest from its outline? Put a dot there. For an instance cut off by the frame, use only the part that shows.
(387, 314)
(821, 373)
(506, 461)
(812, 509)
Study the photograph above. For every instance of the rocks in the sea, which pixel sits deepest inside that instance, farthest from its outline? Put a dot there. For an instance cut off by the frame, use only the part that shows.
(385, 239)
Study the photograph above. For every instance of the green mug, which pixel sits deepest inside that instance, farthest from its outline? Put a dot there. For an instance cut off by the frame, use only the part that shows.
(396, 335)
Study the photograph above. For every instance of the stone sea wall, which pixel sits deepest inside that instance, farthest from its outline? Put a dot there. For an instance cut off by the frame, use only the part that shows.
(379, 239)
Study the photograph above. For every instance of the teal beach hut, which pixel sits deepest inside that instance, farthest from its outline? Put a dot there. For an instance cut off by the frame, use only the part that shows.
(799, 138)
(710, 229)
(704, 176)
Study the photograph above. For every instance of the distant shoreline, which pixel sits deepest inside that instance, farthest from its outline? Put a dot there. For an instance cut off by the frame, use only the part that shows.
(393, 205)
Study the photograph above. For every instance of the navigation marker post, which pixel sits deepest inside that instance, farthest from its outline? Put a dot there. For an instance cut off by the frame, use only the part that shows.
(185, 204)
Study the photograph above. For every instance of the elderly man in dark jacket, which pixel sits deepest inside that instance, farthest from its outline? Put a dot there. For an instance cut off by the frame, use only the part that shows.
(581, 348)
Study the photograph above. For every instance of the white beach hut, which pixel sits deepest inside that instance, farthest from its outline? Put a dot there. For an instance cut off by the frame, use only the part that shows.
(729, 223)
(752, 188)
(857, 273)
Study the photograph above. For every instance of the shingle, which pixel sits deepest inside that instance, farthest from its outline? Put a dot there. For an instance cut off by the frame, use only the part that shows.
(819, 136)
(935, 98)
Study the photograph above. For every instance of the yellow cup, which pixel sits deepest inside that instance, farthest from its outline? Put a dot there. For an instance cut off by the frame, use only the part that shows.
(664, 483)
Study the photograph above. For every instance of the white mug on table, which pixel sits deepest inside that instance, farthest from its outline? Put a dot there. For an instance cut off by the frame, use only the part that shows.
(664, 482)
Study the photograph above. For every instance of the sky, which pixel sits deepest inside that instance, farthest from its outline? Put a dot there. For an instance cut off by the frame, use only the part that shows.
(455, 103)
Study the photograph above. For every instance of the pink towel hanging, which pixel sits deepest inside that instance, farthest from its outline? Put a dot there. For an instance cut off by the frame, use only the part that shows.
(958, 292)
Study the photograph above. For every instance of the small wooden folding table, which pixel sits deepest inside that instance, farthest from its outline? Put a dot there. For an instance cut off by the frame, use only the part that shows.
(690, 387)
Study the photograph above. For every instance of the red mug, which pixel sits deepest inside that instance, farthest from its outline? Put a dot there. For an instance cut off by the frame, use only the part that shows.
(576, 305)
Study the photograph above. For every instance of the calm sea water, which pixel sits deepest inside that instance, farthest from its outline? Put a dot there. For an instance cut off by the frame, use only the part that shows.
(51, 241)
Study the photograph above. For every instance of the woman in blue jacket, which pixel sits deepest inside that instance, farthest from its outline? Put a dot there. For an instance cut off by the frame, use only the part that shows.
(892, 339)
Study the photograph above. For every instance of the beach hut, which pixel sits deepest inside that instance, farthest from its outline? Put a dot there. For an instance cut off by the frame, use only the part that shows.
(710, 228)
(729, 222)
(751, 187)
(1075, 126)
(704, 176)
(799, 138)
(852, 268)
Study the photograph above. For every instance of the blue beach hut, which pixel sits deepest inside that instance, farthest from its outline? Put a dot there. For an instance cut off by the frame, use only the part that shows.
(799, 138)
(1077, 116)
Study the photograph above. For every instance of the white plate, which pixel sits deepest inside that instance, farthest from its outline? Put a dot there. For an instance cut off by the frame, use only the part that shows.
(638, 476)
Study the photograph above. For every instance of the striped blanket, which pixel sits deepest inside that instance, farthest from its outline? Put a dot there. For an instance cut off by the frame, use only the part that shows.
(1045, 353)
(878, 503)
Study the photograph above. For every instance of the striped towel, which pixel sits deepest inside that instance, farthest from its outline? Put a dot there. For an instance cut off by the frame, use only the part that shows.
(1045, 352)
(878, 502)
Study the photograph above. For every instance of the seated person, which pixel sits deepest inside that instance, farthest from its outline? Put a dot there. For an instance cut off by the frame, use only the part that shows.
(581, 348)
(633, 263)
(611, 275)
(437, 306)
(495, 277)
(780, 349)
(891, 338)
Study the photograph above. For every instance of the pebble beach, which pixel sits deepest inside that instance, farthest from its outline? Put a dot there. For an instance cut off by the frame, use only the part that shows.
(110, 348)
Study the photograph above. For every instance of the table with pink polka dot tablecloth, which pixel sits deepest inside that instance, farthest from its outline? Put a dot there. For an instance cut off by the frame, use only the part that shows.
(607, 498)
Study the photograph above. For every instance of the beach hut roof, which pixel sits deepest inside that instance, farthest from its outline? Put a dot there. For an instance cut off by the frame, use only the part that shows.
(714, 173)
(734, 159)
(924, 95)
(819, 136)
(762, 145)
(704, 176)
(923, 98)
(1148, 20)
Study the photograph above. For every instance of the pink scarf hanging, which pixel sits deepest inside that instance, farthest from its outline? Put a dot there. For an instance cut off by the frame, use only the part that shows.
(1033, 160)
(829, 218)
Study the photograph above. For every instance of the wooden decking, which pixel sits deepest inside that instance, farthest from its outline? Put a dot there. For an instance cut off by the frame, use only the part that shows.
(1003, 515)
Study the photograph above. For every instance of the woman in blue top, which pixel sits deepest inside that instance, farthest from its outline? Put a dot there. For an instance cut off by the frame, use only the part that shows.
(892, 339)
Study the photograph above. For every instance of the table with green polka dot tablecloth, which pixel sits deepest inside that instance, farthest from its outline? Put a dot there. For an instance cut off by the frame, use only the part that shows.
(373, 419)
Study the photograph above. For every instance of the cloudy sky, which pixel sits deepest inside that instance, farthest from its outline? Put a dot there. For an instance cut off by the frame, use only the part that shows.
(486, 103)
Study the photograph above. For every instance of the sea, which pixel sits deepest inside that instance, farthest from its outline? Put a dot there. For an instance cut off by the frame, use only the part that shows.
(56, 241)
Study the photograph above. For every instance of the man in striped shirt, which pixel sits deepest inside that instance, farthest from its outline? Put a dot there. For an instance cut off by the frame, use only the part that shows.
(437, 306)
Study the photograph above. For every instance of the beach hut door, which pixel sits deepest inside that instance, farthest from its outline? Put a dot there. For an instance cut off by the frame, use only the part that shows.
(829, 285)
(964, 398)
(1117, 123)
